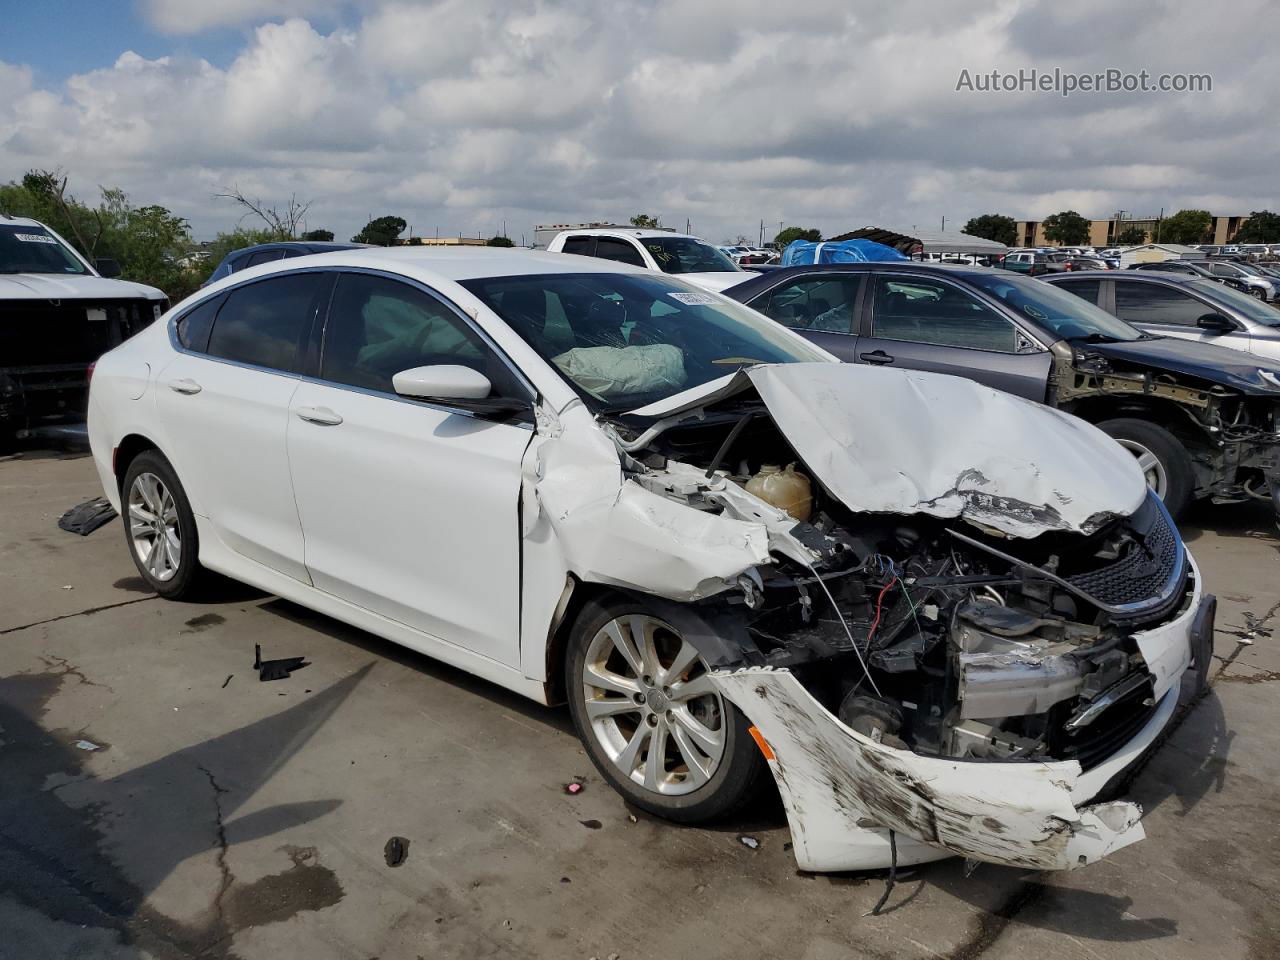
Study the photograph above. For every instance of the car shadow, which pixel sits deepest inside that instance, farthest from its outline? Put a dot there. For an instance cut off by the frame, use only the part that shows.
(1255, 519)
(555, 718)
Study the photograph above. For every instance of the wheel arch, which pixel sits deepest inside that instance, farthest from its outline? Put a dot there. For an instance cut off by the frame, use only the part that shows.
(1176, 419)
(127, 450)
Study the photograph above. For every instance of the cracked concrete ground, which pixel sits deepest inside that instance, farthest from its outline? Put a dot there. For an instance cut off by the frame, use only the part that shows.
(156, 800)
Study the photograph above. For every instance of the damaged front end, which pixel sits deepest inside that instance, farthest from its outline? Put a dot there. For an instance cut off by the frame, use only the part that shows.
(960, 656)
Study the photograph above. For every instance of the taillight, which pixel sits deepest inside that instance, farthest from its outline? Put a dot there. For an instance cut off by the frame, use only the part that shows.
(88, 373)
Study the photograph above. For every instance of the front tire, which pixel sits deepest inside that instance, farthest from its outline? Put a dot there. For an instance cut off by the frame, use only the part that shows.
(652, 721)
(159, 527)
(1163, 459)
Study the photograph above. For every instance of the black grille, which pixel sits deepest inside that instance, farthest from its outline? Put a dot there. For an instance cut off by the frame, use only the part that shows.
(1141, 576)
(1110, 730)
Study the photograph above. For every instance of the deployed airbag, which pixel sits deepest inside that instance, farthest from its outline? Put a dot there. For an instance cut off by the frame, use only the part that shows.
(622, 371)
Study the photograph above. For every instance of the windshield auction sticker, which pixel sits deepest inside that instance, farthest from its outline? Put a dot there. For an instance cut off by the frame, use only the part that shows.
(694, 299)
(34, 238)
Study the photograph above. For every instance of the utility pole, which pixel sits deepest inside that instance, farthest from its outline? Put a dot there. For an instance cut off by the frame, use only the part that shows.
(944, 224)
(688, 227)
(761, 243)
(1159, 221)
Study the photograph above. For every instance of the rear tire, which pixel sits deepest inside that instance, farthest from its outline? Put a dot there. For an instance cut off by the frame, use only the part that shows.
(654, 692)
(1162, 457)
(159, 527)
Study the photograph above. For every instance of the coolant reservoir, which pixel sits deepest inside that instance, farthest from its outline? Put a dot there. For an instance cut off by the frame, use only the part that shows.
(785, 489)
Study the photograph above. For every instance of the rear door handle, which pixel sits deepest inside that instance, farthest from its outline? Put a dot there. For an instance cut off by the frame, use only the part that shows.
(321, 415)
(875, 356)
(185, 385)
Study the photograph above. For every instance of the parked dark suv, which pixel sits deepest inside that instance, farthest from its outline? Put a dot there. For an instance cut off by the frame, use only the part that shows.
(1203, 421)
(238, 260)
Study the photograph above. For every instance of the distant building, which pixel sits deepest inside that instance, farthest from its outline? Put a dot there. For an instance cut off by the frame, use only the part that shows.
(1103, 233)
(1156, 252)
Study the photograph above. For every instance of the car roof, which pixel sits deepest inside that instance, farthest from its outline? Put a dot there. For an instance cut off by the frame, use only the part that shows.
(631, 232)
(1146, 276)
(6, 220)
(316, 246)
(434, 264)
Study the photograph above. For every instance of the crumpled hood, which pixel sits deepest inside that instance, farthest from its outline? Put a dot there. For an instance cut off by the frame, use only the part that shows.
(900, 441)
(907, 442)
(1213, 364)
(52, 286)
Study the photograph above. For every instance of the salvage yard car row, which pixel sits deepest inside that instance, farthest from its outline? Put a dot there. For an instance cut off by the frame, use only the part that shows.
(942, 613)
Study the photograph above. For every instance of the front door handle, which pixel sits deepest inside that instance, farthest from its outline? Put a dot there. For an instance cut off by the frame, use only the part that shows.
(321, 415)
(875, 356)
(185, 385)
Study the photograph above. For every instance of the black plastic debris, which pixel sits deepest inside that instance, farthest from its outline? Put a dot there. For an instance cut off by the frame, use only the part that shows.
(228, 680)
(276, 669)
(396, 851)
(84, 518)
(591, 824)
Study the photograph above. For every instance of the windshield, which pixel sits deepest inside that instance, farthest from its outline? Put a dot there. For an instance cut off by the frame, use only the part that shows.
(1065, 314)
(1251, 307)
(686, 255)
(30, 249)
(624, 341)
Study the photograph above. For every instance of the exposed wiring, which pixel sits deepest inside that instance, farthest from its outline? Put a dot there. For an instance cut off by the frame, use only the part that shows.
(849, 633)
(893, 876)
(876, 622)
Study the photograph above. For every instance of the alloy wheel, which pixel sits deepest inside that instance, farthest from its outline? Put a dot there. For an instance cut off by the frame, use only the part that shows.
(1152, 469)
(153, 526)
(651, 706)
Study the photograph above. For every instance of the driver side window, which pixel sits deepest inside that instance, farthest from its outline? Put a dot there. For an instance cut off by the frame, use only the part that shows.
(378, 327)
(920, 310)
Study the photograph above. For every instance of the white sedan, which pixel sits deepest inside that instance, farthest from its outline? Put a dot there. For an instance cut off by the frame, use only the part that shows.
(941, 617)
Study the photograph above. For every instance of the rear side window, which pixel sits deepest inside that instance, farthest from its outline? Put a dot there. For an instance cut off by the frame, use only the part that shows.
(264, 323)
(1084, 289)
(378, 327)
(814, 303)
(610, 248)
(262, 256)
(1153, 303)
(194, 326)
(579, 245)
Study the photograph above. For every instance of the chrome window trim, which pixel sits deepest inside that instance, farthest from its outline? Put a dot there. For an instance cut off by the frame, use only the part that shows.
(172, 330)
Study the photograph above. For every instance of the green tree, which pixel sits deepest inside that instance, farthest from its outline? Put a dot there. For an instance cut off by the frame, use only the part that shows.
(646, 222)
(993, 226)
(1186, 226)
(380, 231)
(792, 234)
(499, 241)
(1131, 237)
(323, 236)
(1066, 229)
(1263, 226)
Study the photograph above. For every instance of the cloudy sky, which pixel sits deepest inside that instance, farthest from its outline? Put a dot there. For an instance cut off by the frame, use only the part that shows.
(460, 114)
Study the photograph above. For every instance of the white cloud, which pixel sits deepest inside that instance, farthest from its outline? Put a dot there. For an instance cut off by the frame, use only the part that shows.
(462, 113)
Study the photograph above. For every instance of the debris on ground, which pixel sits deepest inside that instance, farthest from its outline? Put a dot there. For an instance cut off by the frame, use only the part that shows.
(86, 745)
(276, 669)
(632, 818)
(591, 824)
(67, 586)
(749, 842)
(84, 518)
(576, 786)
(228, 680)
(396, 851)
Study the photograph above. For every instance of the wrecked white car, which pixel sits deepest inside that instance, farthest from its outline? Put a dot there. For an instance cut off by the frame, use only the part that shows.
(943, 618)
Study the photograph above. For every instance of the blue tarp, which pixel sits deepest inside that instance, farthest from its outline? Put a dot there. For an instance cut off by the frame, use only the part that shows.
(801, 252)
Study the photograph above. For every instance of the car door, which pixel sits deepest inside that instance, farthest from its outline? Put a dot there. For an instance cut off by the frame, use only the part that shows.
(923, 322)
(1167, 310)
(223, 402)
(820, 307)
(409, 509)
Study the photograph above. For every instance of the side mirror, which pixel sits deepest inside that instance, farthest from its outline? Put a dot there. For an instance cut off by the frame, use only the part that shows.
(1215, 323)
(107, 267)
(454, 385)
